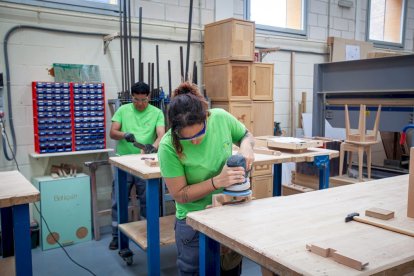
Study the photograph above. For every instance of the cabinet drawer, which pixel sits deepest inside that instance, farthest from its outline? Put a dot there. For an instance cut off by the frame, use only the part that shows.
(261, 170)
(262, 186)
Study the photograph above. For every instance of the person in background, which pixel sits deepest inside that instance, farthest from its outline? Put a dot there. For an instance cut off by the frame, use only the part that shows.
(192, 157)
(144, 123)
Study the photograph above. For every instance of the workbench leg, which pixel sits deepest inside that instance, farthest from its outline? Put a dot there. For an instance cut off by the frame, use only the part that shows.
(153, 226)
(7, 232)
(322, 162)
(121, 188)
(22, 241)
(209, 256)
(277, 179)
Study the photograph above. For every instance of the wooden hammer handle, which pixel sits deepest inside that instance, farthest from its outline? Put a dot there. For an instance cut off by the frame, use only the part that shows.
(385, 226)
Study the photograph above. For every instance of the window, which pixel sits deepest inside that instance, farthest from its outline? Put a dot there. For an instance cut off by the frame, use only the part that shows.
(386, 22)
(110, 7)
(285, 16)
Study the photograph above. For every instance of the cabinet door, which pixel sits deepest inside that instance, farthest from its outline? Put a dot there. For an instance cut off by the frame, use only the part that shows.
(262, 186)
(243, 113)
(263, 118)
(262, 81)
(239, 81)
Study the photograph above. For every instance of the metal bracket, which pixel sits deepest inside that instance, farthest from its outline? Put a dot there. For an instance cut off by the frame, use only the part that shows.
(321, 161)
(107, 39)
(264, 52)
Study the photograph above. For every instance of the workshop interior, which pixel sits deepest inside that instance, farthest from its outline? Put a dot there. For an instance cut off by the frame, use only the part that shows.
(309, 102)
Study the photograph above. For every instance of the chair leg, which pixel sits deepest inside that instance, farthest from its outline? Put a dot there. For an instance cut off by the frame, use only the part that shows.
(369, 161)
(341, 159)
(360, 161)
(349, 161)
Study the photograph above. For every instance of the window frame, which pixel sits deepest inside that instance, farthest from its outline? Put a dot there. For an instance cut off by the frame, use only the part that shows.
(386, 44)
(280, 30)
(73, 5)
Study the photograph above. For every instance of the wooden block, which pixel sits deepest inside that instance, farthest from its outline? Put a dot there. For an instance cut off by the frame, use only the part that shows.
(222, 199)
(265, 150)
(152, 162)
(348, 261)
(379, 213)
(292, 189)
(410, 203)
(321, 251)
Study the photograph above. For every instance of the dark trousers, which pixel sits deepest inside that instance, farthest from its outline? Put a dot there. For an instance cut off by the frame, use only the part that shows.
(141, 195)
(186, 239)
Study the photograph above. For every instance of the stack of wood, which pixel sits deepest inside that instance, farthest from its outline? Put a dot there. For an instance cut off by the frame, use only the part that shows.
(64, 170)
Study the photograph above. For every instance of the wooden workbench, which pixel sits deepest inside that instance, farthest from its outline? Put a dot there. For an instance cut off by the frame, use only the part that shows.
(274, 231)
(16, 192)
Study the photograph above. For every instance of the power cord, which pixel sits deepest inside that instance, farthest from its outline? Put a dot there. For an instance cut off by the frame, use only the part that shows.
(64, 250)
(4, 134)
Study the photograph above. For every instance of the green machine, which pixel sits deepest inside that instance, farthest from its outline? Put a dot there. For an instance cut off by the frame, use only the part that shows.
(65, 205)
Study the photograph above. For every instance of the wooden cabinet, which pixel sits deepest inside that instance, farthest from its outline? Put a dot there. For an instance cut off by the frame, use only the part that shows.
(241, 110)
(262, 76)
(227, 80)
(229, 39)
(262, 186)
(256, 116)
(263, 117)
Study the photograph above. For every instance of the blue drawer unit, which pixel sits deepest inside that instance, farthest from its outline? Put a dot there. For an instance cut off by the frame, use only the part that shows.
(65, 205)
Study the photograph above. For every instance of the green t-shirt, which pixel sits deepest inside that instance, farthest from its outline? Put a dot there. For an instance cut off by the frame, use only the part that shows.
(140, 123)
(203, 161)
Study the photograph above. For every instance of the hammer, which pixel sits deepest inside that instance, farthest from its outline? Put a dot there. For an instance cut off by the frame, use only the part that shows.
(355, 216)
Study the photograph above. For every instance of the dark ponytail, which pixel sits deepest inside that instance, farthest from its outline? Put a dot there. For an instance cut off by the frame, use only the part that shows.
(187, 107)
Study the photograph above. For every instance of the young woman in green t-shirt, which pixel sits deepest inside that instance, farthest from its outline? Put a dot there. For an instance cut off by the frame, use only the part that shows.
(192, 156)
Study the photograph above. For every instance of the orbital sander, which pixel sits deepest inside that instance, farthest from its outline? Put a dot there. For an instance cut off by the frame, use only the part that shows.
(238, 189)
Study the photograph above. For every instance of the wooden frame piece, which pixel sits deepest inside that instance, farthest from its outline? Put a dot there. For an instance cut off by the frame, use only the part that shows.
(379, 213)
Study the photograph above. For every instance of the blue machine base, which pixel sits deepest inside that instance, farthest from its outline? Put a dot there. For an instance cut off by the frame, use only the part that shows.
(237, 193)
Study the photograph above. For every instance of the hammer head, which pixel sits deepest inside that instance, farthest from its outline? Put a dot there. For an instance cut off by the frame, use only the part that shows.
(351, 216)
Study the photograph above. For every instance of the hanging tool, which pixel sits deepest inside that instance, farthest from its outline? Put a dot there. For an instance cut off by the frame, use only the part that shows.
(148, 148)
(187, 60)
(238, 189)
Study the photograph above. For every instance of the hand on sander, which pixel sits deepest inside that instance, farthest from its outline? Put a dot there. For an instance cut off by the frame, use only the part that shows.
(238, 189)
(148, 148)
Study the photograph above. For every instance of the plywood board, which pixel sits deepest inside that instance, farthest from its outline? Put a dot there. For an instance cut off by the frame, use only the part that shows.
(274, 231)
(137, 231)
(15, 189)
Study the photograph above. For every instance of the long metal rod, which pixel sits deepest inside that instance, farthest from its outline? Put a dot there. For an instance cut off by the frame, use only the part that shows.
(140, 73)
(169, 79)
(122, 50)
(195, 72)
(126, 56)
(152, 77)
(149, 74)
(131, 60)
(187, 61)
(157, 60)
(181, 63)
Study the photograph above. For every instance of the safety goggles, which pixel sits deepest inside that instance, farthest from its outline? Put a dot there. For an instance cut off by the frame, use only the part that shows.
(197, 135)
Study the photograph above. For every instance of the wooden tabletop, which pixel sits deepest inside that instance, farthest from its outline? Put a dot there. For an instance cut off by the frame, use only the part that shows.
(135, 165)
(274, 231)
(15, 189)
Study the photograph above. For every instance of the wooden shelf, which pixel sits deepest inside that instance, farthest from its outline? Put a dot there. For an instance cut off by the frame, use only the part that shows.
(7, 266)
(55, 154)
(137, 231)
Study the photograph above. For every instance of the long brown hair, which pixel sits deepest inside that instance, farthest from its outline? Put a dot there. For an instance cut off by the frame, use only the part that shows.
(187, 107)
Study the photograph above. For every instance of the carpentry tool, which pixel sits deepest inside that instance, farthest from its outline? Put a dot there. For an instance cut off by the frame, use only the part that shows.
(148, 148)
(238, 189)
(355, 216)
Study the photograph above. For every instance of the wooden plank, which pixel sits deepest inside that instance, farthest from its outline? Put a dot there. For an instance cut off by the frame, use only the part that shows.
(265, 150)
(292, 95)
(15, 189)
(137, 231)
(292, 143)
(293, 189)
(302, 218)
(7, 266)
(410, 198)
(379, 213)
(134, 164)
(152, 162)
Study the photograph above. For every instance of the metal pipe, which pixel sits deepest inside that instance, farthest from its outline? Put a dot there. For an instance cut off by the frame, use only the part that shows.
(195, 72)
(131, 63)
(181, 63)
(169, 79)
(140, 73)
(122, 51)
(149, 75)
(190, 20)
(126, 56)
(157, 60)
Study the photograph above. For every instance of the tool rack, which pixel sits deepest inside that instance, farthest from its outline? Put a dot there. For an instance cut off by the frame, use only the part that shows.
(68, 116)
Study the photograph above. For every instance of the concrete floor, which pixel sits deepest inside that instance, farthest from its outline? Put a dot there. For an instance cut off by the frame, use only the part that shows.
(96, 256)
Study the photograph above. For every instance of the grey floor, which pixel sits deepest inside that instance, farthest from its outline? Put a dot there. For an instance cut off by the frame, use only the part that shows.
(96, 256)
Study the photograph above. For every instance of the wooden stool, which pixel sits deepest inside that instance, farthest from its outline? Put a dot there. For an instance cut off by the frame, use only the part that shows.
(359, 142)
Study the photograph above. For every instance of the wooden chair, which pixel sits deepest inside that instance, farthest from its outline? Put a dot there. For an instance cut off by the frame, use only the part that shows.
(359, 142)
